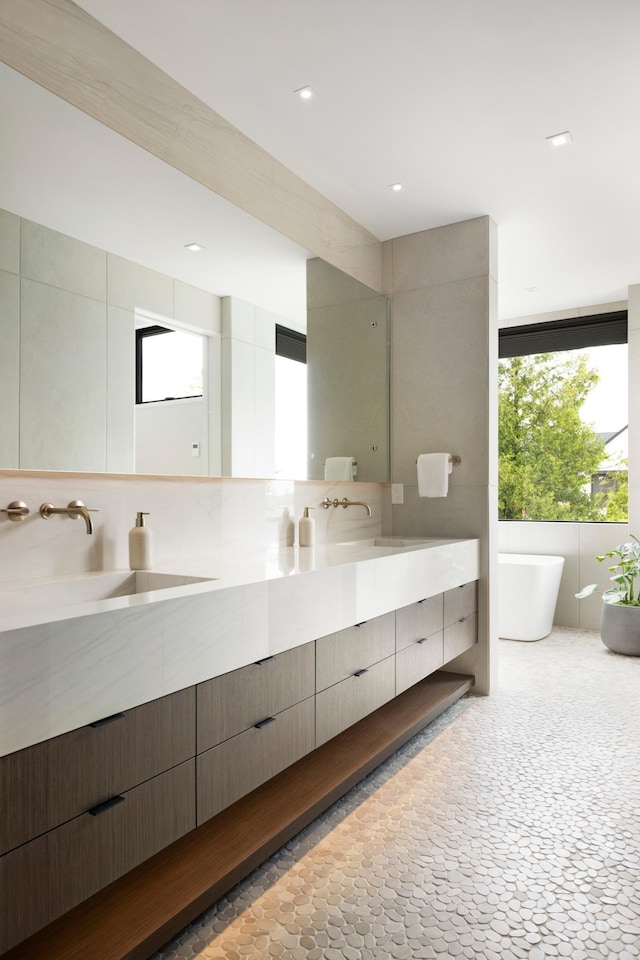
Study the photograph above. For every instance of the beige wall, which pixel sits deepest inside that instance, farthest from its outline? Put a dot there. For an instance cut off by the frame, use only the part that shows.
(443, 284)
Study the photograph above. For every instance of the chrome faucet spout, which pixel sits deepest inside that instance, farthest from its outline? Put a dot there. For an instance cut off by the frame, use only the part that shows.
(326, 503)
(75, 509)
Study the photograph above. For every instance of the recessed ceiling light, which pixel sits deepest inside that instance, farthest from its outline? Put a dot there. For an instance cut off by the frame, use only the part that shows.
(560, 139)
(305, 93)
(194, 247)
(395, 186)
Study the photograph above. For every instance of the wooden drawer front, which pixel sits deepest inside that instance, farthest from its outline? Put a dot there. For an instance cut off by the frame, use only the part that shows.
(236, 767)
(418, 620)
(460, 602)
(419, 660)
(460, 636)
(234, 702)
(340, 654)
(50, 783)
(43, 879)
(345, 703)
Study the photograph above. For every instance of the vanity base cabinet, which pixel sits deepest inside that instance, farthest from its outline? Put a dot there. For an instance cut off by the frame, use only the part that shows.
(232, 769)
(340, 655)
(48, 876)
(343, 704)
(417, 661)
(460, 619)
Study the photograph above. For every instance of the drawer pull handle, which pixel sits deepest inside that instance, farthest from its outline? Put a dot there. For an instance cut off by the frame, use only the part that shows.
(361, 624)
(422, 640)
(360, 673)
(423, 600)
(103, 807)
(463, 619)
(264, 723)
(106, 720)
(259, 663)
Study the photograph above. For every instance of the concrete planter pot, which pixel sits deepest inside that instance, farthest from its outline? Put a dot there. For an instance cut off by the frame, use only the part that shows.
(620, 629)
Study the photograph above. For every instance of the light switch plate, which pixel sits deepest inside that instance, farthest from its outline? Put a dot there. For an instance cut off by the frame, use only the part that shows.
(397, 493)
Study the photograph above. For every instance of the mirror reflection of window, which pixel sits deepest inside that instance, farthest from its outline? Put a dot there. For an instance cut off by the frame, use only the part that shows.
(169, 364)
(291, 404)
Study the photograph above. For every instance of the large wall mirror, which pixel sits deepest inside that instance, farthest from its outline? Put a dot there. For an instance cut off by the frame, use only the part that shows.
(93, 245)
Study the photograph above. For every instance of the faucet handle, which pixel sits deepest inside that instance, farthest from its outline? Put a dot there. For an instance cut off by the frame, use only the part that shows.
(16, 511)
(79, 505)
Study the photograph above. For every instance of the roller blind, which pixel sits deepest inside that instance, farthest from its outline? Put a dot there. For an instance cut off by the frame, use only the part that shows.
(594, 331)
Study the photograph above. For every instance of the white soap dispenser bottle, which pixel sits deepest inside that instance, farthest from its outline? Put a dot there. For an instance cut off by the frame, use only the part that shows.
(307, 529)
(140, 545)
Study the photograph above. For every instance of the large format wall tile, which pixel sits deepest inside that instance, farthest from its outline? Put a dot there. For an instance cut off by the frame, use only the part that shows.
(121, 390)
(9, 369)
(132, 286)
(457, 251)
(9, 242)
(60, 261)
(62, 357)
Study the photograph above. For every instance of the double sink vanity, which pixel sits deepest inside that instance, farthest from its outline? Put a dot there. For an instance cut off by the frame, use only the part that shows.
(161, 733)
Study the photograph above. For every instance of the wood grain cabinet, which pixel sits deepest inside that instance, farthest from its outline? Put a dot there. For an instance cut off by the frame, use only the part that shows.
(343, 704)
(339, 655)
(237, 766)
(52, 782)
(419, 641)
(461, 619)
(45, 878)
(236, 701)
(419, 620)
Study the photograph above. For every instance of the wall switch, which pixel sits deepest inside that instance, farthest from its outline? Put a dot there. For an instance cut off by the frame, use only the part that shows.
(195, 449)
(397, 493)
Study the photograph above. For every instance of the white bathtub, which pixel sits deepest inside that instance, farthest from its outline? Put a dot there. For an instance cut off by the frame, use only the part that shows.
(527, 594)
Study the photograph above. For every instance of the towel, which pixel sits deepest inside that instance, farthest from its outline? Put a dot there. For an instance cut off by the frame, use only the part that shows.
(340, 468)
(433, 474)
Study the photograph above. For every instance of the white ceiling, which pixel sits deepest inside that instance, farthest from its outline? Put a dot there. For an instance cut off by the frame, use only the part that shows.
(454, 98)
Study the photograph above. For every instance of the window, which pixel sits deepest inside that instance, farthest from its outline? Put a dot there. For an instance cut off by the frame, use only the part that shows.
(291, 404)
(169, 364)
(563, 420)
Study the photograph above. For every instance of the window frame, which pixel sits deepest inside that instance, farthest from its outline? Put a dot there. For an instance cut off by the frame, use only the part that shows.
(141, 334)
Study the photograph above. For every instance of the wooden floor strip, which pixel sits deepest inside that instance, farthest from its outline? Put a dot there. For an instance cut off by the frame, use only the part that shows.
(141, 911)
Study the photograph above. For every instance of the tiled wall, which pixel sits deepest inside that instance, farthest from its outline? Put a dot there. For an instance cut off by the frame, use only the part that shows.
(579, 544)
(190, 518)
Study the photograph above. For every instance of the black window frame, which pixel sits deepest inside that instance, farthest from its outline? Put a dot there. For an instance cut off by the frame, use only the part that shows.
(597, 330)
(141, 334)
(291, 344)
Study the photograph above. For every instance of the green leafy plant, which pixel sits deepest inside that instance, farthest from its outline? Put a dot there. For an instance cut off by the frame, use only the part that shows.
(625, 571)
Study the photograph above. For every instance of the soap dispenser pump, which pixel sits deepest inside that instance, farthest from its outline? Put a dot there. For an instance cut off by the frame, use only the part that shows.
(307, 529)
(140, 544)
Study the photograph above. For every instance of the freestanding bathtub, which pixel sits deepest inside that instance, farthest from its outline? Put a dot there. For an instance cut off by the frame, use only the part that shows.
(527, 594)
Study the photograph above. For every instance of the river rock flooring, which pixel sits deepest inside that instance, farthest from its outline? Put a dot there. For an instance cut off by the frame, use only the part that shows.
(509, 828)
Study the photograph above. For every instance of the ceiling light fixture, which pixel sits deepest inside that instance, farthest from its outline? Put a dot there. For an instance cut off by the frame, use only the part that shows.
(560, 139)
(395, 186)
(194, 247)
(305, 93)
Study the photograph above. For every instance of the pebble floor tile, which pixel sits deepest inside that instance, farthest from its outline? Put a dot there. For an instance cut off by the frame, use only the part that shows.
(509, 828)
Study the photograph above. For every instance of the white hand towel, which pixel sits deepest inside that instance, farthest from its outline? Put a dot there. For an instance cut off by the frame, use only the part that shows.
(433, 474)
(339, 468)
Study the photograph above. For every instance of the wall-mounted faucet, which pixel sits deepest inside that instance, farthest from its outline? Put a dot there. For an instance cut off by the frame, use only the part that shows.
(326, 503)
(16, 511)
(75, 509)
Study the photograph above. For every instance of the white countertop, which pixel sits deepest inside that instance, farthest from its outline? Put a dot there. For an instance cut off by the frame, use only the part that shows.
(65, 665)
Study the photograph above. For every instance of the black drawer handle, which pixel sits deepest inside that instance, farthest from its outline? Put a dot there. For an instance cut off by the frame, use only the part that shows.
(423, 600)
(361, 624)
(264, 723)
(360, 673)
(463, 619)
(106, 720)
(422, 640)
(103, 807)
(265, 660)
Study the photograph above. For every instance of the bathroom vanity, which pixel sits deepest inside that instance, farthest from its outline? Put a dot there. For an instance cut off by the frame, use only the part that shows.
(162, 744)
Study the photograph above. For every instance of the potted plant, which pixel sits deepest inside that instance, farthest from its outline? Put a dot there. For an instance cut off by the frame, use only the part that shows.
(620, 624)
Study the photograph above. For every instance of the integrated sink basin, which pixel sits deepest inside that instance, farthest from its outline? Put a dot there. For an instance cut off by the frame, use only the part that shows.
(29, 596)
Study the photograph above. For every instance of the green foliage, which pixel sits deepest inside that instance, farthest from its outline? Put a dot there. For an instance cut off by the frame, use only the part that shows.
(625, 570)
(547, 455)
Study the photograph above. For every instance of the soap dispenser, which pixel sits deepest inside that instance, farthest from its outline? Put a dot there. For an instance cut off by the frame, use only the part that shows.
(140, 545)
(307, 529)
